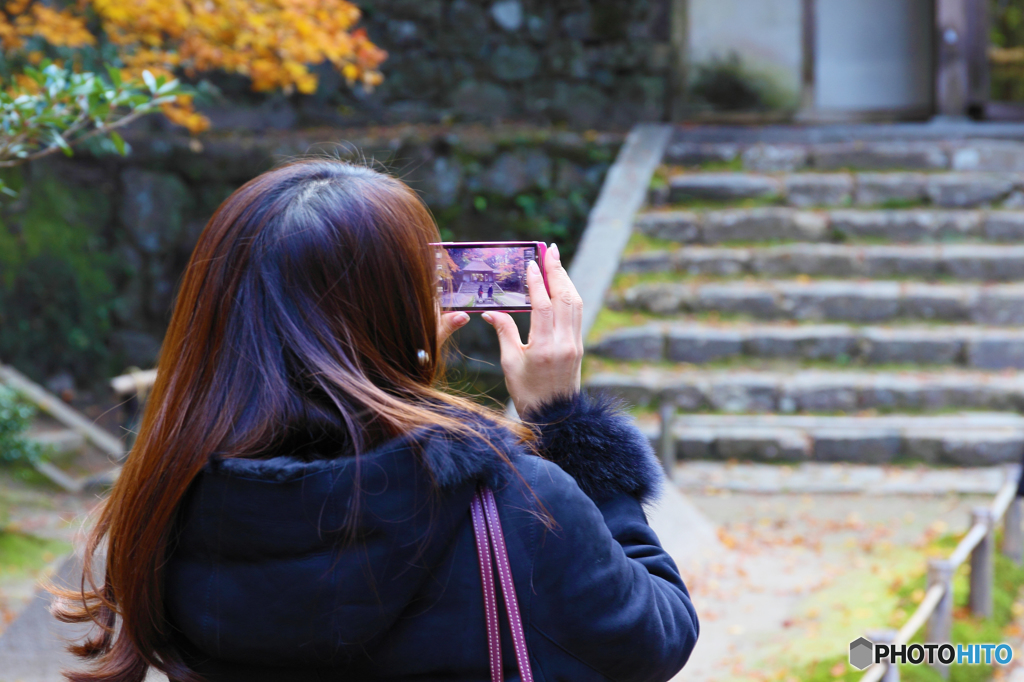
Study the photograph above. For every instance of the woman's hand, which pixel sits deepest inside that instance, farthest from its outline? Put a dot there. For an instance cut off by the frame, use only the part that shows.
(448, 324)
(549, 365)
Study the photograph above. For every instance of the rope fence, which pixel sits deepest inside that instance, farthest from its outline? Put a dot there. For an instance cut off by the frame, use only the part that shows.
(936, 608)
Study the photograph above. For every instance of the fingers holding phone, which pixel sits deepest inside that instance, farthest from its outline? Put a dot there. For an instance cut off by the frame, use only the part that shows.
(566, 302)
(448, 324)
(549, 365)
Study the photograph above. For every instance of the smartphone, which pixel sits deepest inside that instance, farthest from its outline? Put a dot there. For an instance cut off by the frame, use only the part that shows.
(482, 276)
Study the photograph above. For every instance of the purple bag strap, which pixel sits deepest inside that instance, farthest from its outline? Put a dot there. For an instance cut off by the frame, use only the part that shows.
(483, 552)
(489, 538)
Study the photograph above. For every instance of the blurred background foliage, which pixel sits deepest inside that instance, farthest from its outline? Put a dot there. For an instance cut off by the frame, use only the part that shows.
(92, 248)
(1006, 52)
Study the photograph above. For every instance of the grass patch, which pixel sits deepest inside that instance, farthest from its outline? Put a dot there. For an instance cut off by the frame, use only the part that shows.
(779, 200)
(625, 280)
(651, 410)
(597, 363)
(897, 204)
(610, 320)
(24, 555)
(665, 171)
(767, 201)
(1009, 578)
(640, 242)
(734, 165)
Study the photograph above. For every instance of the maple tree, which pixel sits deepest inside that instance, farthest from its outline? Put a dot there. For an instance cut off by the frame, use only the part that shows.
(49, 102)
(274, 43)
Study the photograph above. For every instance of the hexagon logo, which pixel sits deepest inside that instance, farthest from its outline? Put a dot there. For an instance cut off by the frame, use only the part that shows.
(861, 653)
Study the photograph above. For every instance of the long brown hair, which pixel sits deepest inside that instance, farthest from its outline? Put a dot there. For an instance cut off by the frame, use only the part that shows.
(300, 316)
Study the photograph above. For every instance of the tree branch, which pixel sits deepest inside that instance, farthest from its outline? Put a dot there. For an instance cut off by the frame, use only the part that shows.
(53, 149)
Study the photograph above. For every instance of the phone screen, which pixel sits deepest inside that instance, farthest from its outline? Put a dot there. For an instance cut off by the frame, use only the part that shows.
(477, 277)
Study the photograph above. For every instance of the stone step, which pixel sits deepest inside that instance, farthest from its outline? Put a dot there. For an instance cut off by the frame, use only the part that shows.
(814, 391)
(829, 478)
(835, 225)
(57, 440)
(985, 155)
(831, 300)
(697, 343)
(945, 190)
(965, 439)
(981, 262)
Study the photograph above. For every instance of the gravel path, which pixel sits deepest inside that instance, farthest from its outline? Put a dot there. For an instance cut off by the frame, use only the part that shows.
(801, 575)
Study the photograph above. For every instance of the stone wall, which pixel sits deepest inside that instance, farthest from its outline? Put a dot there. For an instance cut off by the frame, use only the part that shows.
(585, 63)
(92, 249)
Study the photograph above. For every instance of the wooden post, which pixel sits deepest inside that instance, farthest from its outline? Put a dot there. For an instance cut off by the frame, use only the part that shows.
(940, 624)
(133, 409)
(809, 48)
(892, 672)
(667, 443)
(982, 565)
(1013, 540)
(977, 55)
(952, 87)
(679, 74)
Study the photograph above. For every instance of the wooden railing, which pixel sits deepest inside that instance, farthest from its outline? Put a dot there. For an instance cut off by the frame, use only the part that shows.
(936, 608)
(132, 388)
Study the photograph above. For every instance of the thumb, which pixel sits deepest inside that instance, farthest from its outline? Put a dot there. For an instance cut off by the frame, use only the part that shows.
(449, 323)
(508, 332)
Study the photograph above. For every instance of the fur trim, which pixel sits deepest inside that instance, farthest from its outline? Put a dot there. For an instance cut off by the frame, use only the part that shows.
(450, 460)
(589, 437)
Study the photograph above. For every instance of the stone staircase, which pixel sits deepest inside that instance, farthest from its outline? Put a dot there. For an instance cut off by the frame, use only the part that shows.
(844, 301)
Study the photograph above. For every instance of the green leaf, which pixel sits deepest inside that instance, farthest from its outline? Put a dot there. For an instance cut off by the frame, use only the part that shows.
(119, 143)
(99, 113)
(61, 142)
(115, 75)
(150, 81)
(168, 87)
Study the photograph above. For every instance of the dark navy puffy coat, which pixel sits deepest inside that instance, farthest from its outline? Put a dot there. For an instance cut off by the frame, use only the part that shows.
(264, 582)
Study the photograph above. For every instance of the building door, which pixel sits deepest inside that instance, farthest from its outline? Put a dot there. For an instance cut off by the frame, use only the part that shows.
(873, 57)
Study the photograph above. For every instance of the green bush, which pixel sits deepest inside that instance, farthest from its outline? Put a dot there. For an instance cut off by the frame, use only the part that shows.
(1006, 21)
(728, 84)
(57, 275)
(15, 416)
(50, 321)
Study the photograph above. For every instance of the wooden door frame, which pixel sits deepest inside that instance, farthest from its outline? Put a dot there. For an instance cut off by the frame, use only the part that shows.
(809, 111)
(952, 73)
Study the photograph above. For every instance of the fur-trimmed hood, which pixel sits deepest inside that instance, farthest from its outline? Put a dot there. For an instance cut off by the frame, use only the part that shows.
(349, 542)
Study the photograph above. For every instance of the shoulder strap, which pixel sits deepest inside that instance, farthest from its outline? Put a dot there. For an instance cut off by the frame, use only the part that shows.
(483, 552)
(490, 538)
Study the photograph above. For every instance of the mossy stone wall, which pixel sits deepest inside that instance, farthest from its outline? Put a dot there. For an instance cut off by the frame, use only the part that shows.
(92, 249)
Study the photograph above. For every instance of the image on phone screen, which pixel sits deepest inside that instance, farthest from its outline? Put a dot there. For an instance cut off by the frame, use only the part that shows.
(494, 277)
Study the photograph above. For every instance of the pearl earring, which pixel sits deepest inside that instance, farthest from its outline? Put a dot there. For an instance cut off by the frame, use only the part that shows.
(423, 357)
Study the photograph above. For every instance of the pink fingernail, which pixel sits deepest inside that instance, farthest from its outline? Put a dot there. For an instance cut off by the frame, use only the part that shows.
(554, 250)
(461, 318)
(533, 266)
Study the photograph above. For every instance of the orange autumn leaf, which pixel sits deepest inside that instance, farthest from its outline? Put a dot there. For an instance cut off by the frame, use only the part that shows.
(274, 43)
